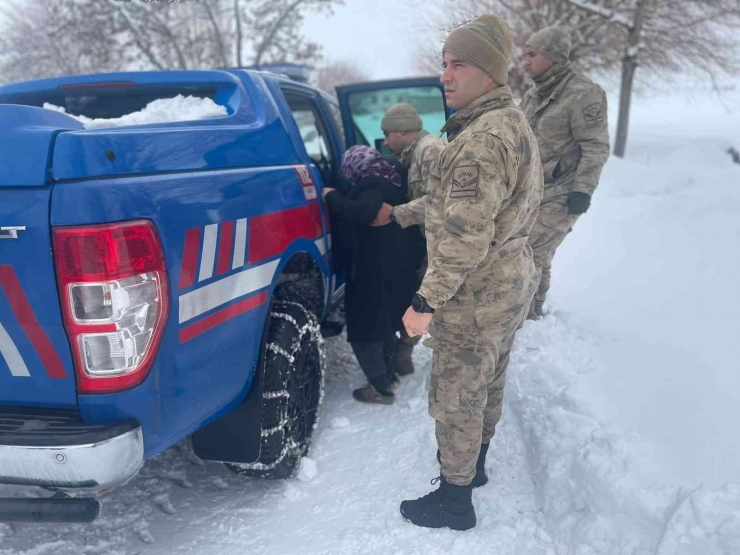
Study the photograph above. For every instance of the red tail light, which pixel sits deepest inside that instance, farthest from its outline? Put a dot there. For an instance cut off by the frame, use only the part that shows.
(113, 286)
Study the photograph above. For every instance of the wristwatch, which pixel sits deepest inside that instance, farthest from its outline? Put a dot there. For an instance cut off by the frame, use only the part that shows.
(420, 305)
(393, 217)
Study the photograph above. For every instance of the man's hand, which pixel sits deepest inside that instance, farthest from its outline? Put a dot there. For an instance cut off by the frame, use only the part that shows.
(325, 192)
(578, 203)
(416, 323)
(383, 217)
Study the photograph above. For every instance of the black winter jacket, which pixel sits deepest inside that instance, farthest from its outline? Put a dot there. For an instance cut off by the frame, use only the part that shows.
(380, 263)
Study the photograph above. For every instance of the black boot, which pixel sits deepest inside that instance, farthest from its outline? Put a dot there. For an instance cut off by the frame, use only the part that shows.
(450, 506)
(481, 479)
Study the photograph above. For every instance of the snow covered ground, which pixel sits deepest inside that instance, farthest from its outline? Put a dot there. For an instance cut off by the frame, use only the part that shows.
(619, 434)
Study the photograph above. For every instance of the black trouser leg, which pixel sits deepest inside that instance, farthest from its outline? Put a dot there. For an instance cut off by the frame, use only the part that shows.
(371, 356)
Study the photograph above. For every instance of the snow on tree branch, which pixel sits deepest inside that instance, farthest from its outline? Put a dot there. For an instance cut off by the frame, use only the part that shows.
(606, 13)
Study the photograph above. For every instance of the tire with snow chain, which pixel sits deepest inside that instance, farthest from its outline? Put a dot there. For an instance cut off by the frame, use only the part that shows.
(292, 393)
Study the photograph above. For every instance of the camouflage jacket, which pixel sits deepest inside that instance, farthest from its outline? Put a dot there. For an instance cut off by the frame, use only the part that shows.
(418, 158)
(483, 197)
(571, 128)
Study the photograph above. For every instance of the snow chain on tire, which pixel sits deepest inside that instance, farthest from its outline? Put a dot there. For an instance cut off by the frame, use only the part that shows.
(277, 402)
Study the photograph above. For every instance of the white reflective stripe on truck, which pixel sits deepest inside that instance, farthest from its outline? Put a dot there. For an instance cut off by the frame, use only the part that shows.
(11, 355)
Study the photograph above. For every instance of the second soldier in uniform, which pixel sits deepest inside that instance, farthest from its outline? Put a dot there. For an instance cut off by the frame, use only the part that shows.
(417, 148)
(568, 115)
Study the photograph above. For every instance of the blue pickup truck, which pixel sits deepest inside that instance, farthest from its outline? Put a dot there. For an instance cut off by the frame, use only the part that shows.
(168, 280)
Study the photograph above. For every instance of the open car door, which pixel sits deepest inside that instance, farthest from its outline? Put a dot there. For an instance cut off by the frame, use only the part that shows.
(363, 105)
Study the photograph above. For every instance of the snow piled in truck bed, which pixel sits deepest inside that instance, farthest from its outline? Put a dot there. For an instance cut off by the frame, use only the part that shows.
(619, 434)
(163, 110)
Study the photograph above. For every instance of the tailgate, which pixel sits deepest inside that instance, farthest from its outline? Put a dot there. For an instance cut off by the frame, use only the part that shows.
(35, 361)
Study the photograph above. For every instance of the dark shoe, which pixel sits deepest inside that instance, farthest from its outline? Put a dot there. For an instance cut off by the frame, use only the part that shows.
(368, 394)
(449, 505)
(481, 478)
(393, 380)
(402, 363)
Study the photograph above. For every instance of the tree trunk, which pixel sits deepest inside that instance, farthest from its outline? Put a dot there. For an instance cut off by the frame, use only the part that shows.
(629, 66)
(238, 15)
(217, 33)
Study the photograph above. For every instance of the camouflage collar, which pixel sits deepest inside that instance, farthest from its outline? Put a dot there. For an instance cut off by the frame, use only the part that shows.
(552, 82)
(408, 152)
(497, 98)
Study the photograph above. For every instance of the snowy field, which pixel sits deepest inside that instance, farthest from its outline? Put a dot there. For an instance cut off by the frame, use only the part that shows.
(619, 434)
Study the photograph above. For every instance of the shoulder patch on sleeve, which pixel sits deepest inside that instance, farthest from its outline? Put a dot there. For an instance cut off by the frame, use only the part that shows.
(593, 114)
(465, 181)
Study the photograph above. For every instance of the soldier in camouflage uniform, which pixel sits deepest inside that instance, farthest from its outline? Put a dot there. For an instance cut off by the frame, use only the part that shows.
(417, 148)
(482, 200)
(568, 114)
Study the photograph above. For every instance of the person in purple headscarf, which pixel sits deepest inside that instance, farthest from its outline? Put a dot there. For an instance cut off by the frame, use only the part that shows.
(379, 265)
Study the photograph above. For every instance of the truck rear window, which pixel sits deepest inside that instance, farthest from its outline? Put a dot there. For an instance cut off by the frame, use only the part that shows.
(110, 100)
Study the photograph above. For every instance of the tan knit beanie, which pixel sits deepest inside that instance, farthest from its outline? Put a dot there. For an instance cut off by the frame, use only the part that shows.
(484, 42)
(401, 117)
(553, 42)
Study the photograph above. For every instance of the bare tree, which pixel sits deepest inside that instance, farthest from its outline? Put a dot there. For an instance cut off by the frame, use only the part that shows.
(56, 37)
(669, 38)
(590, 36)
(41, 40)
(338, 72)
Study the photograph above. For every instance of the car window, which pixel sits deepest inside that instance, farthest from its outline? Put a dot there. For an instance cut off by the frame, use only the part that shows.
(367, 109)
(336, 116)
(314, 132)
(311, 127)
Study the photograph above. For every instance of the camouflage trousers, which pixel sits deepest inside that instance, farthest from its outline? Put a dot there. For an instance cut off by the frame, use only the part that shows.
(466, 395)
(552, 225)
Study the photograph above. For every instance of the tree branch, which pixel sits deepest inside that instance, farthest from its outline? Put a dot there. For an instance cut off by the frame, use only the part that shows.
(275, 28)
(168, 32)
(606, 13)
(120, 8)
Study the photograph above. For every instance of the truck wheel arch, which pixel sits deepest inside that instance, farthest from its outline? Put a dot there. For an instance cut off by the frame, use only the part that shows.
(301, 280)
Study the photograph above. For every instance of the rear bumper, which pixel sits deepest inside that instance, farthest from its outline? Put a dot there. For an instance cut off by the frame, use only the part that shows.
(53, 451)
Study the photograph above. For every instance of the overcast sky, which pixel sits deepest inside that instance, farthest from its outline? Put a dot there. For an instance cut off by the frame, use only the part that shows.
(381, 35)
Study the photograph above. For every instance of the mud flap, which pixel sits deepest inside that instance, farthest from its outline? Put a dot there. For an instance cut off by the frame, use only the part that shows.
(236, 437)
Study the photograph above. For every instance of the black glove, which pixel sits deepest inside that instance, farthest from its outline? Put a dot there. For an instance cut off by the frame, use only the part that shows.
(578, 203)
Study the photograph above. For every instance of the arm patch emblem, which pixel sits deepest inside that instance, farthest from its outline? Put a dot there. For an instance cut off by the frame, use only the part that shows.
(592, 114)
(464, 182)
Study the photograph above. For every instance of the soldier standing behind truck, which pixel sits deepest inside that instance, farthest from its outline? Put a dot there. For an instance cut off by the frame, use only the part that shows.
(404, 136)
(568, 114)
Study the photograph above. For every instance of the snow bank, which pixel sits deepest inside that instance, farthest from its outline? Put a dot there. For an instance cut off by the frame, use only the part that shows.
(163, 110)
(597, 485)
(628, 392)
(651, 271)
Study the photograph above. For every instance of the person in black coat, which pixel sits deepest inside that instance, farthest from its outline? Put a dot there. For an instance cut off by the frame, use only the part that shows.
(379, 265)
